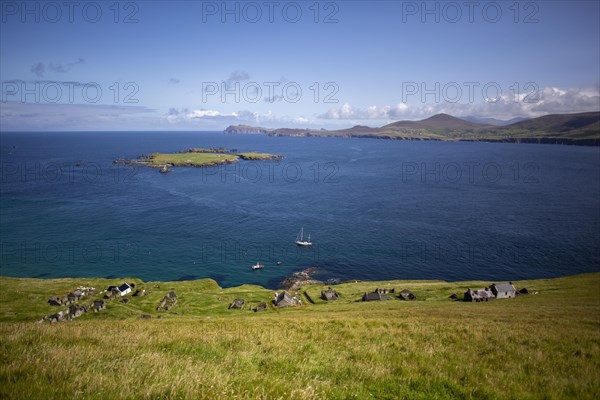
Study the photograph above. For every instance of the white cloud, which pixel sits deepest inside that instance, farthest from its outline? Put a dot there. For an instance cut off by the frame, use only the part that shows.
(213, 119)
(207, 113)
(32, 116)
(546, 101)
(39, 68)
(530, 103)
(17, 116)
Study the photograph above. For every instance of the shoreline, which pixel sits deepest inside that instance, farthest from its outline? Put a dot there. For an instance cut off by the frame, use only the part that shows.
(44, 300)
(296, 280)
(510, 140)
(566, 129)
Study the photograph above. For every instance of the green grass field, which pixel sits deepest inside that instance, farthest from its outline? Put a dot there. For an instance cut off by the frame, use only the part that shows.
(192, 159)
(204, 159)
(542, 346)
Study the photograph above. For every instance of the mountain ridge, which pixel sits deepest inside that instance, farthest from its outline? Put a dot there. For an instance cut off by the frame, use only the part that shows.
(576, 128)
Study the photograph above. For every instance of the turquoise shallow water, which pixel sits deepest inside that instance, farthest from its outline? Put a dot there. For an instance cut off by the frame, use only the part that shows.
(375, 209)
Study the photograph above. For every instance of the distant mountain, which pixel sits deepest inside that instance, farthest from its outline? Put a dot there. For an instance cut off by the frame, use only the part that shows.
(559, 123)
(438, 121)
(581, 129)
(247, 129)
(492, 121)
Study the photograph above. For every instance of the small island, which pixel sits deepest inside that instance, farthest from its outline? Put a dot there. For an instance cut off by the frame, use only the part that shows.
(196, 157)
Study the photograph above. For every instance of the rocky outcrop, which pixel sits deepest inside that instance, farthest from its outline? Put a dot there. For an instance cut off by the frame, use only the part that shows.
(299, 279)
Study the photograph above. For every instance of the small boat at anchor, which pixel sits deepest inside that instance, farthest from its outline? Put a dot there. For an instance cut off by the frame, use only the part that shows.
(300, 239)
(165, 169)
(258, 266)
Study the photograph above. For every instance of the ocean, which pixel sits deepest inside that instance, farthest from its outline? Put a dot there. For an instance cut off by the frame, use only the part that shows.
(375, 209)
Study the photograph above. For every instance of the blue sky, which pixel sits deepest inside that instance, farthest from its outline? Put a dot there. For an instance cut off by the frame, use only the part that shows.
(138, 65)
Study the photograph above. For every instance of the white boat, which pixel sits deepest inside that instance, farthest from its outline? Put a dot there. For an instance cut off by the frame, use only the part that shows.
(300, 239)
(258, 266)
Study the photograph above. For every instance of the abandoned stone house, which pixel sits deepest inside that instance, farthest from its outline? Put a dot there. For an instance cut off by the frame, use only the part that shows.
(406, 294)
(237, 304)
(70, 298)
(503, 290)
(375, 296)
(168, 302)
(329, 295)
(479, 295)
(284, 299)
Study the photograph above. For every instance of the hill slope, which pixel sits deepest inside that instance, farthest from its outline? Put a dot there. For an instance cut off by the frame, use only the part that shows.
(534, 346)
(438, 121)
(557, 123)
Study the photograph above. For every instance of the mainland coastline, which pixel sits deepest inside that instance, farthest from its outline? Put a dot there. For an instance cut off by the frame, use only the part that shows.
(568, 129)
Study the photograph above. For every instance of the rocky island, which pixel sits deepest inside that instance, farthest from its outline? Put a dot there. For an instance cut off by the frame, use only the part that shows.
(196, 157)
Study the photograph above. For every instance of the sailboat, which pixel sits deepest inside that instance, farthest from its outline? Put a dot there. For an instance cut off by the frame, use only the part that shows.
(300, 239)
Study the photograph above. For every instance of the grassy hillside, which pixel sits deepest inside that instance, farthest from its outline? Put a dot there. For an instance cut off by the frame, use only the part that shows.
(438, 121)
(557, 122)
(542, 346)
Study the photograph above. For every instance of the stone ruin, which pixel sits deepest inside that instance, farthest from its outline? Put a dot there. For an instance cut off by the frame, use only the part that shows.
(168, 302)
(80, 293)
(112, 294)
(406, 294)
(98, 305)
(74, 311)
(237, 304)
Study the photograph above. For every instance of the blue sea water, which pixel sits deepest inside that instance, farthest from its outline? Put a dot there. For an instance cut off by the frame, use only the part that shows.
(375, 209)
